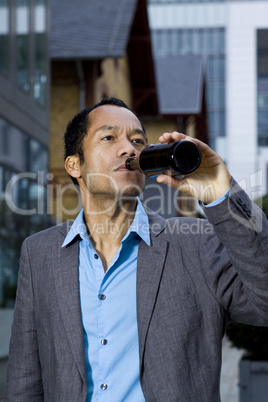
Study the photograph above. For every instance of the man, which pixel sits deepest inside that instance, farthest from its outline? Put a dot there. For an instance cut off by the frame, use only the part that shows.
(126, 306)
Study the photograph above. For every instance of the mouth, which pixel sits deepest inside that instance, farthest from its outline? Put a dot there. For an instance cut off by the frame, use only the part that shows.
(121, 168)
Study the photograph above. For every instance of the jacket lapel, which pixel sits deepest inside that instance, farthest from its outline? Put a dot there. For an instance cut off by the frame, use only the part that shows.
(150, 266)
(66, 275)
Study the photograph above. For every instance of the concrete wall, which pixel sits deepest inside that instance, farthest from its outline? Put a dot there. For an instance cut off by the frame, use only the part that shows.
(245, 160)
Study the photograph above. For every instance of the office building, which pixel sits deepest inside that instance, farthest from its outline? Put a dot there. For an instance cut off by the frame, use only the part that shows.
(232, 37)
(24, 131)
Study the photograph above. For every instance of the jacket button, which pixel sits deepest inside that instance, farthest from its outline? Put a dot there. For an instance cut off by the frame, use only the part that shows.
(102, 297)
(249, 214)
(104, 341)
(239, 201)
(104, 387)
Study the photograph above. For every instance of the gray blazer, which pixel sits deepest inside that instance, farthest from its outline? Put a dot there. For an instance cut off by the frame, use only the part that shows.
(196, 276)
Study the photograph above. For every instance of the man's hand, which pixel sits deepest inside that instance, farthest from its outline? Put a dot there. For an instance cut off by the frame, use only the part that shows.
(209, 182)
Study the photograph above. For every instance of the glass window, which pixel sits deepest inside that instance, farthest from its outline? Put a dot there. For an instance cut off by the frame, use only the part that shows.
(222, 124)
(22, 194)
(195, 41)
(262, 86)
(217, 123)
(209, 42)
(221, 98)
(38, 159)
(216, 96)
(179, 42)
(210, 93)
(216, 68)
(200, 41)
(158, 42)
(4, 138)
(186, 1)
(40, 73)
(212, 123)
(22, 43)
(267, 175)
(221, 41)
(205, 41)
(187, 41)
(169, 43)
(4, 36)
(221, 68)
(263, 110)
(210, 68)
(2, 188)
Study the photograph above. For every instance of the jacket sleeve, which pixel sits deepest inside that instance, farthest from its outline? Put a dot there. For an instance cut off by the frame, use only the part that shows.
(241, 285)
(24, 381)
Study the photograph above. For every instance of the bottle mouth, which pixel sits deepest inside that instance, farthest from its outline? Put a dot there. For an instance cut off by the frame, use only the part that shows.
(186, 157)
(132, 163)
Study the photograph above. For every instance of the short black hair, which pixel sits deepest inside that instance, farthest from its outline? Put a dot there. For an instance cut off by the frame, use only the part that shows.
(78, 127)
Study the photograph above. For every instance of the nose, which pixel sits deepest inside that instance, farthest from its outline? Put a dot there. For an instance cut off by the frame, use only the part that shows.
(126, 148)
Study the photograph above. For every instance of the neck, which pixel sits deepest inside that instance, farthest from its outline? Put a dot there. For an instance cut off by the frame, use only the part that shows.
(107, 223)
(108, 218)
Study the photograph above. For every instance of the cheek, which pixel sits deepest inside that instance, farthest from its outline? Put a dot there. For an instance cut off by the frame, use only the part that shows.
(95, 163)
(96, 174)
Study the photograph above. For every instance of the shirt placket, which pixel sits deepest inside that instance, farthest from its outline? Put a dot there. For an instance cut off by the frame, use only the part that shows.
(103, 343)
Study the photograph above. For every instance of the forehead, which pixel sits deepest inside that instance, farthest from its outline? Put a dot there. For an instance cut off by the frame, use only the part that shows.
(113, 115)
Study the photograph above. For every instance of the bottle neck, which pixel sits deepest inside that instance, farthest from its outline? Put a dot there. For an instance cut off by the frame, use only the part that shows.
(133, 164)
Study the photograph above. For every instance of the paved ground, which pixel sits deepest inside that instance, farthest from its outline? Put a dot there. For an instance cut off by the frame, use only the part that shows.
(229, 376)
(229, 373)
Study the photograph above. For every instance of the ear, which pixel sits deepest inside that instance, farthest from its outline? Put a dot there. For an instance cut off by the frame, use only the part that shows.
(72, 166)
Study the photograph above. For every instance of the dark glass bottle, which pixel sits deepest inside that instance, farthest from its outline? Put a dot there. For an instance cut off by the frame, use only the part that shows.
(182, 158)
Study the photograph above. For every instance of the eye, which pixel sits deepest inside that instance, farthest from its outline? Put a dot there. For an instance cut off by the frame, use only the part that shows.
(107, 138)
(139, 141)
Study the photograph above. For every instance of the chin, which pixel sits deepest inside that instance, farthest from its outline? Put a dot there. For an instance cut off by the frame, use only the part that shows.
(132, 189)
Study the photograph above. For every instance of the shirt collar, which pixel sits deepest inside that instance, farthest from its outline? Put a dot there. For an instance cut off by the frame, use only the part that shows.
(140, 226)
(77, 228)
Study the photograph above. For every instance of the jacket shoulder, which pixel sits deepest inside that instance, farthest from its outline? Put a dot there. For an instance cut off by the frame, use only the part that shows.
(49, 235)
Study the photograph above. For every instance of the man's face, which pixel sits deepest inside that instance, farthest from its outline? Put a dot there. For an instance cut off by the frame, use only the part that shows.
(115, 134)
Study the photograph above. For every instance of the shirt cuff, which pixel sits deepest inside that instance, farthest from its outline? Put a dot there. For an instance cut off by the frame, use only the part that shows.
(216, 202)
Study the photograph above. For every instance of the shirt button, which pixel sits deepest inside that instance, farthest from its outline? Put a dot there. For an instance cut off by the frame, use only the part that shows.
(104, 341)
(102, 297)
(96, 256)
(104, 386)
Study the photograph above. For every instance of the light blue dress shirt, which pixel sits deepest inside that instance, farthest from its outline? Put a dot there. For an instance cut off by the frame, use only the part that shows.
(108, 305)
(218, 201)
(109, 316)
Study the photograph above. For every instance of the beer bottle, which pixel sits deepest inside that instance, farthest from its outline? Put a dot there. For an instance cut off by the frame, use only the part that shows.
(181, 158)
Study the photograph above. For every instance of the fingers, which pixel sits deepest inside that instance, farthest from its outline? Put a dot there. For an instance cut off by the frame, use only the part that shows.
(172, 137)
(170, 180)
(175, 136)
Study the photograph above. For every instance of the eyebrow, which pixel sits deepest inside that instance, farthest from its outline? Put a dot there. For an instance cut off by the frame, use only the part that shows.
(107, 128)
(116, 128)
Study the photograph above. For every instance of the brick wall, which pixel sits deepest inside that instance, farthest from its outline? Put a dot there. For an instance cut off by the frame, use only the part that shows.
(102, 79)
(64, 105)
